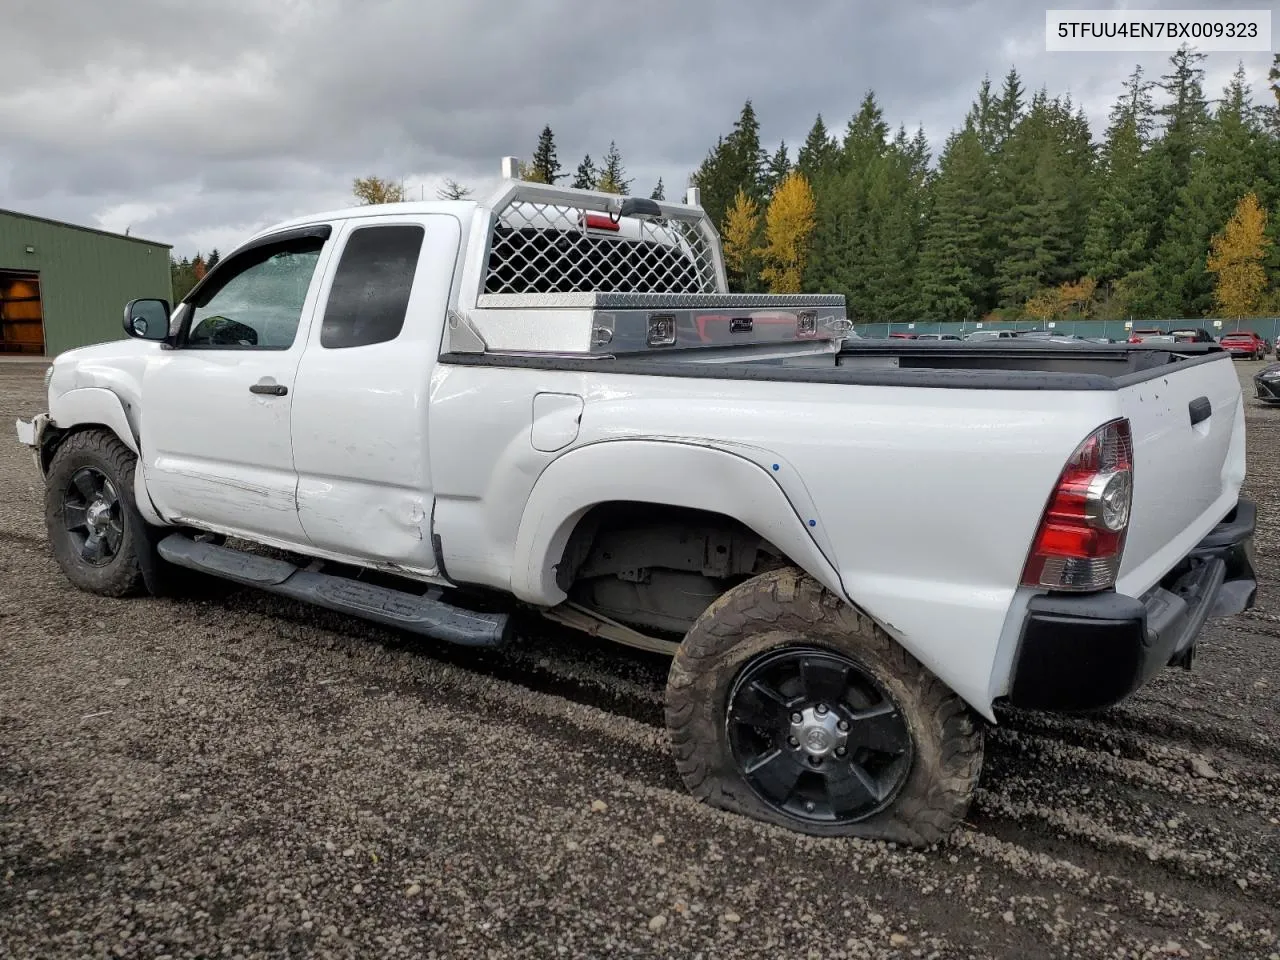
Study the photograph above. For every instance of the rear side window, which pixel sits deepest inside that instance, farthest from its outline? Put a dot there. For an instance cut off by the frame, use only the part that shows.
(370, 292)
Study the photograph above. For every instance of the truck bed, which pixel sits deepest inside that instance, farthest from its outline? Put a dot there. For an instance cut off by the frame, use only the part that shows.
(1002, 365)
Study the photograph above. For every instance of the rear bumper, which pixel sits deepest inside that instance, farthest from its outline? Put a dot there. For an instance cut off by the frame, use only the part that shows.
(1090, 651)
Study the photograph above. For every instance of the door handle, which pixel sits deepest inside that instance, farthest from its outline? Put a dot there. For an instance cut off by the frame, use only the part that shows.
(1199, 409)
(272, 389)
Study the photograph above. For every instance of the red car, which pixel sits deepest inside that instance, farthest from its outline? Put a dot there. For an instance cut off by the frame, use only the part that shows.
(1244, 343)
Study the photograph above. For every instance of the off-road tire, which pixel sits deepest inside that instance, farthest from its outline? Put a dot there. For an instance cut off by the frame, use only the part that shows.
(784, 608)
(104, 452)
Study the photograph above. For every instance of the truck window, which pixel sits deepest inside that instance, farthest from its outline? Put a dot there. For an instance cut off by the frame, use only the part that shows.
(370, 292)
(257, 307)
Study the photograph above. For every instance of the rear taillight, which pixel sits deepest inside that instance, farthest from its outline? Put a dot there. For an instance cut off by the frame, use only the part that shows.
(1081, 536)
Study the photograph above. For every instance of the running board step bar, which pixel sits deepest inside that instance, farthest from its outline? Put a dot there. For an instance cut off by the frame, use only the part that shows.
(424, 614)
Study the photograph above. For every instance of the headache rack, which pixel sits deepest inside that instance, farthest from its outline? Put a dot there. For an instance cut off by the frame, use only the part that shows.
(583, 272)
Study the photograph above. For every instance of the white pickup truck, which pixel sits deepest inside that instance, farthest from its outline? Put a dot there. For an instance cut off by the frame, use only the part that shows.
(437, 415)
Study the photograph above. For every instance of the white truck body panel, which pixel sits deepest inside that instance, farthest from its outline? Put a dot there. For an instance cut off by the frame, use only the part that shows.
(917, 503)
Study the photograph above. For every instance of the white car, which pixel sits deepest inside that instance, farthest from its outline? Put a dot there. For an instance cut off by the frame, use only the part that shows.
(549, 401)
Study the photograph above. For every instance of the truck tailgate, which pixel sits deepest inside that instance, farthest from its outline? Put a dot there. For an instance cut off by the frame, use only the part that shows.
(1189, 463)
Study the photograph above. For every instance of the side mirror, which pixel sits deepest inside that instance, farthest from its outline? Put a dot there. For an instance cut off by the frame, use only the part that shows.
(147, 319)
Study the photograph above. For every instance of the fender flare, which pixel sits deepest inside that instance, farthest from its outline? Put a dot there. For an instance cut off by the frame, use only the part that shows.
(98, 406)
(658, 472)
(93, 405)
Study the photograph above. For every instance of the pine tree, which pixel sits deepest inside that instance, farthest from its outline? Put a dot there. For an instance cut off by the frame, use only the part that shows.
(819, 153)
(776, 169)
(214, 257)
(612, 174)
(735, 163)
(1228, 161)
(658, 192)
(585, 176)
(1237, 257)
(789, 224)
(1117, 241)
(1008, 107)
(545, 167)
(741, 234)
(951, 256)
(866, 135)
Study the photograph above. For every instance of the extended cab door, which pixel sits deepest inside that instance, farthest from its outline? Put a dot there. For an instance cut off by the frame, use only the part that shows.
(360, 437)
(215, 424)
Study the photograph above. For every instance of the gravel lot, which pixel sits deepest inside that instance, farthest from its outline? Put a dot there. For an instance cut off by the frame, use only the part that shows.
(241, 776)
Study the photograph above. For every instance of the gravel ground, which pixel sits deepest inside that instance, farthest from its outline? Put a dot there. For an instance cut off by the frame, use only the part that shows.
(241, 776)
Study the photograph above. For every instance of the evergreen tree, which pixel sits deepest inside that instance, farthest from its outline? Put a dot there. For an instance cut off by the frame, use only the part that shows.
(776, 170)
(214, 257)
(735, 163)
(1228, 161)
(865, 136)
(1008, 108)
(819, 152)
(585, 176)
(658, 192)
(545, 167)
(951, 278)
(1117, 241)
(1044, 213)
(612, 173)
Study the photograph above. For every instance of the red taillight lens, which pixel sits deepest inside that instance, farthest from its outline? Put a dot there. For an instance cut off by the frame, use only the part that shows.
(1081, 536)
(599, 221)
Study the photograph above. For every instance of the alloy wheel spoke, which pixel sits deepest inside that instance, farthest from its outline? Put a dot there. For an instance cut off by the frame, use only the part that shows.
(776, 772)
(880, 728)
(75, 516)
(851, 789)
(759, 705)
(824, 680)
(113, 535)
(87, 485)
(108, 494)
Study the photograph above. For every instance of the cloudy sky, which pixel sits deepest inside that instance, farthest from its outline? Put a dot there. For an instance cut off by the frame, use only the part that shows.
(196, 124)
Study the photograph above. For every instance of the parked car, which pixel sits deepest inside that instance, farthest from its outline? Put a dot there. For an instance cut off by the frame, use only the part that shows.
(902, 336)
(1266, 384)
(937, 336)
(1193, 335)
(991, 335)
(437, 435)
(1244, 343)
(1141, 335)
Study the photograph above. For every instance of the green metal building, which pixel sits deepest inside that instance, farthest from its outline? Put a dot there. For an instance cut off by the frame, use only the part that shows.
(64, 286)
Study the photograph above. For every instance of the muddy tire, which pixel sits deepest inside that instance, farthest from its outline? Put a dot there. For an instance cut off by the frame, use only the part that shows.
(94, 528)
(785, 704)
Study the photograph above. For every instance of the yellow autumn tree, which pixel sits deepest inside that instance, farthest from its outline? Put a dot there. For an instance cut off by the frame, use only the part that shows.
(376, 190)
(1237, 255)
(741, 227)
(788, 226)
(1063, 300)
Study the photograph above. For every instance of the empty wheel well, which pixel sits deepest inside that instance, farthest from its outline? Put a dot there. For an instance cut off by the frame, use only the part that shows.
(658, 567)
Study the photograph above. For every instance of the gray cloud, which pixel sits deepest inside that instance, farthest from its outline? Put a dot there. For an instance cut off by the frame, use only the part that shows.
(197, 125)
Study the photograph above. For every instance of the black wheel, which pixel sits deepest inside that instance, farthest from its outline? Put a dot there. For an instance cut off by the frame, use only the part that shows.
(93, 526)
(816, 736)
(787, 705)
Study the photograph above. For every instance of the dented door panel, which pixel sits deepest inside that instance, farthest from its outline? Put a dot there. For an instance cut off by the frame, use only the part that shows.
(360, 417)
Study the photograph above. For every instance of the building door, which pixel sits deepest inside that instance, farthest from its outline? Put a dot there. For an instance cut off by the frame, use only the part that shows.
(21, 316)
